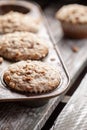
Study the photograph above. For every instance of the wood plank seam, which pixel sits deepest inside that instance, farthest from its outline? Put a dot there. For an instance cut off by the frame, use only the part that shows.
(74, 114)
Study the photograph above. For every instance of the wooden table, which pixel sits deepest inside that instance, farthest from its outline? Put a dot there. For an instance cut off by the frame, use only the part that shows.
(14, 116)
(74, 115)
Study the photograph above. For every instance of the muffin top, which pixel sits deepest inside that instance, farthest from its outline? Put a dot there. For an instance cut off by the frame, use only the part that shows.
(73, 13)
(16, 21)
(22, 46)
(32, 76)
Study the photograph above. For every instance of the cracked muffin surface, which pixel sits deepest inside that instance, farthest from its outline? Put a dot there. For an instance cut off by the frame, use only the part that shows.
(22, 46)
(32, 76)
(15, 21)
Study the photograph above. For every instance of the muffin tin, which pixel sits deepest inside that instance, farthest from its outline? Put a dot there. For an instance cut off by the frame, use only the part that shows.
(53, 58)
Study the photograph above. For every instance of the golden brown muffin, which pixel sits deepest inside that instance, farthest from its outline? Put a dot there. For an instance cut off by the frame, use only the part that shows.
(22, 46)
(73, 19)
(32, 76)
(15, 21)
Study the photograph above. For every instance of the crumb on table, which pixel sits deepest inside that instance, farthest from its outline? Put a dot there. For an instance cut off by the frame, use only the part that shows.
(1, 60)
(75, 48)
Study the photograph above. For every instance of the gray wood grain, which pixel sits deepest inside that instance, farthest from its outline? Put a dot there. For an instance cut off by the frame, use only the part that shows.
(14, 116)
(74, 115)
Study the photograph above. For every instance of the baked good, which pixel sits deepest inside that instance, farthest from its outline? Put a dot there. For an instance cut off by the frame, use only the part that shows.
(73, 19)
(15, 21)
(22, 46)
(32, 76)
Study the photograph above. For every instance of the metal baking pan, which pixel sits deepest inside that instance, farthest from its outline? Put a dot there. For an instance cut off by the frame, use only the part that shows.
(52, 58)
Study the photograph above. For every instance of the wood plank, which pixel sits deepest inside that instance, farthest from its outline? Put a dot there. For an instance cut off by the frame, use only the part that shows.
(14, 116)
(74, 115)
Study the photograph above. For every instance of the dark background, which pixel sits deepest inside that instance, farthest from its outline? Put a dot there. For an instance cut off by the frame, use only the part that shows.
(45, 3)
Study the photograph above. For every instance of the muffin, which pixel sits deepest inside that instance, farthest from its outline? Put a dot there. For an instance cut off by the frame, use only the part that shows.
(15, 21)
(73, 19)
(32, 76)
(22, 46)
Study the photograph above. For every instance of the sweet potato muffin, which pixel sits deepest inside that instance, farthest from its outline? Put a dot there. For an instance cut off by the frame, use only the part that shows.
(15, 21)
(32, 76)
(73, 19)
(22, 46)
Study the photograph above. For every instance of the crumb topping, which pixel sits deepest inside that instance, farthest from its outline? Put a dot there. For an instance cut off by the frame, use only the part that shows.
(32, 76)
(15, 21)
(73, 13)
(22, 46)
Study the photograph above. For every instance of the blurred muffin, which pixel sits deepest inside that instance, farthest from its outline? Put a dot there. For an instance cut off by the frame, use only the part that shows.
(15, 21)
(32, 76)
(22, 46)
(73, 19)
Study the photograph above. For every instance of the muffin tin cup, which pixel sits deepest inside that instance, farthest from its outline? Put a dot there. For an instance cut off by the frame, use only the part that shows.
(38, 95)
(74, 30)
(53, 58)
(19, 6)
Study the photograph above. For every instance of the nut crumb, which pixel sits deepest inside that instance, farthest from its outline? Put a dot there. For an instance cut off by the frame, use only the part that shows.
(75, 48)
(22, 50)
(52, 59)
(1, 60)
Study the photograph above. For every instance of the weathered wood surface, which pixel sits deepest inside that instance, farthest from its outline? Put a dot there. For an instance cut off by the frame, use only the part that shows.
(75, 62)
(14, 116)
(74, 115)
